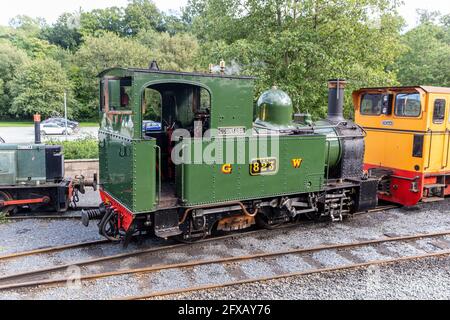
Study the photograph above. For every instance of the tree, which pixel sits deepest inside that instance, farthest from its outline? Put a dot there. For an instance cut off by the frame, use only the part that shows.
(38, 87)
(11, 59)
(427, 61)
(27, 24)
(142, 15)
(173, 24)
(99, 20)
(65, 32)
(298, 45)
(178, 52)
(97, 54)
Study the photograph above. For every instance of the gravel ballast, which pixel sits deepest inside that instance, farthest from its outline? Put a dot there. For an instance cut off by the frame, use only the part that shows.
(399, 281)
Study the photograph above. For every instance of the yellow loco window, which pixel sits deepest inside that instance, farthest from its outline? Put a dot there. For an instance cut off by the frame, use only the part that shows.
(439, 111)
(407, 105)
(371, 104)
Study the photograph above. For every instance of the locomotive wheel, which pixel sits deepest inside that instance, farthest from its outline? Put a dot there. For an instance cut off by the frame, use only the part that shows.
(6, 210)
(262, 218)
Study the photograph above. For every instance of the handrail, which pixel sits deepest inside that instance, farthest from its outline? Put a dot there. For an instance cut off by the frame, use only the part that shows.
(159, 172)
(429, 149)
(182, 173)
(447, 135)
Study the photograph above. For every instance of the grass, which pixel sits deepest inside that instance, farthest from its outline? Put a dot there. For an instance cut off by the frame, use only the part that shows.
(88, 124)
(30, 124)
(3, 218)
(85, 148)
(15, 124)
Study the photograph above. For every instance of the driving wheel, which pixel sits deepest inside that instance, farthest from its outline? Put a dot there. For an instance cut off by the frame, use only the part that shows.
(6, 210)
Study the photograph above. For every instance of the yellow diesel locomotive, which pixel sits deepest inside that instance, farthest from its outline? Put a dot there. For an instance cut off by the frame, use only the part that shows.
(408, 141)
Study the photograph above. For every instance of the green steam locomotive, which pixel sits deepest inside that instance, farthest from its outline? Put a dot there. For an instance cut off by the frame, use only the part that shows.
(211, 167)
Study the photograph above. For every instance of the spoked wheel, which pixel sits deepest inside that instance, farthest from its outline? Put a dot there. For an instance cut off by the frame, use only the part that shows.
(6, 210)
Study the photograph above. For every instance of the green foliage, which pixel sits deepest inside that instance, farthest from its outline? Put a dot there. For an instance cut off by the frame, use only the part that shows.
(65, 32)
(299, 45)
(11, 59)
(38, 87)
(31, 26)
(178, 52)
(97, 54)
(3, 218)
(86, 148)
(100, 20)
(427, 61)
(142, 15)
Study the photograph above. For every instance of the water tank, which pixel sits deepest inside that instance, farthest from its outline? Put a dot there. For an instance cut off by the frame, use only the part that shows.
(275, 107)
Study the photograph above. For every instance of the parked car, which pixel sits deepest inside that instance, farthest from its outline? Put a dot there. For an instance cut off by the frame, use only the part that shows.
(49, 128)
(61, 121)
(150, 126)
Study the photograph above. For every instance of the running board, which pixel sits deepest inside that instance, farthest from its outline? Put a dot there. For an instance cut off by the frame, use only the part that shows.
(432, 199)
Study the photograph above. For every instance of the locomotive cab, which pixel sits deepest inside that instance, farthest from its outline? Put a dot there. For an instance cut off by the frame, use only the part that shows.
(407, 144)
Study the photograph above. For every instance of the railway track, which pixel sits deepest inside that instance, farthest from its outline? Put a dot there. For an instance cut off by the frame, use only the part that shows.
(17, 281)
(369, 263)
(51, 249)
(91, 243)
(71, 214)
(281, 276)
(83, 263)
(52, 275)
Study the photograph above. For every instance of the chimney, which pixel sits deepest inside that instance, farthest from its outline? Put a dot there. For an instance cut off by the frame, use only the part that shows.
(336, 99)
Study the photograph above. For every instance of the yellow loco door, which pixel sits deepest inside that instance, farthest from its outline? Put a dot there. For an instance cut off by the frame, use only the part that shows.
(408, 139)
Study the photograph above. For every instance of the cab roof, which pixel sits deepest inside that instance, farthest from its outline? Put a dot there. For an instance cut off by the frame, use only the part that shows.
(194, 74)
(427, 89)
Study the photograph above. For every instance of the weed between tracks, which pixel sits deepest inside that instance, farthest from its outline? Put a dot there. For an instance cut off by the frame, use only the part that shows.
(3, 218)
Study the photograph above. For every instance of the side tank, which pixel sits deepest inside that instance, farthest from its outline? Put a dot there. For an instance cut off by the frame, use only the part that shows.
(345, 139)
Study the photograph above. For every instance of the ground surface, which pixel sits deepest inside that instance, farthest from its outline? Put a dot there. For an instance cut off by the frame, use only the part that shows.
(25, 134)
(425, 279)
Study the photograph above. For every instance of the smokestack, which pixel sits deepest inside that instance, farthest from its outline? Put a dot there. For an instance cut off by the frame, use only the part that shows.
(37, 128)
(336, 99)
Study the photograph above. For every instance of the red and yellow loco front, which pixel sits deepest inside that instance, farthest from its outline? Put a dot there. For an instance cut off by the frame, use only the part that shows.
(408, 140)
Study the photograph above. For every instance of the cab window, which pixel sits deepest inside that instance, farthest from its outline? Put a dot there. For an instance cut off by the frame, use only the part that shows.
(115, 94)
(371, 104)
(407, 105)
(439, 111)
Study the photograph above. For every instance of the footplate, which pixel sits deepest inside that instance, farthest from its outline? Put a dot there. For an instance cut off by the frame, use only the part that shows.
(166, 224)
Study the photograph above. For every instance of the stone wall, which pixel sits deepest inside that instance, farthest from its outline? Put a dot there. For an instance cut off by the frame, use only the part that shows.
(87, 168)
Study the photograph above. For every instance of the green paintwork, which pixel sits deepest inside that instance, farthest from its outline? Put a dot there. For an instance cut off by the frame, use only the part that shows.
(275, 108)
(127, 170)
(232, 97)
(20, 163)
(128, 159)
(333, 146)
(205, 183)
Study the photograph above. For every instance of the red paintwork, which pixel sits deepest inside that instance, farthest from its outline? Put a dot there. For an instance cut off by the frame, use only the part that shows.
(400, 188)
(25, 201)
(126, 217)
